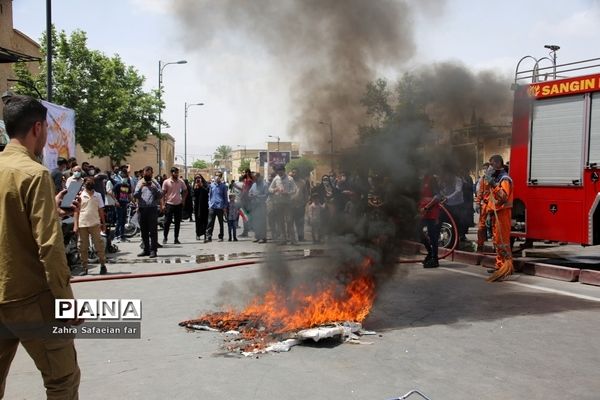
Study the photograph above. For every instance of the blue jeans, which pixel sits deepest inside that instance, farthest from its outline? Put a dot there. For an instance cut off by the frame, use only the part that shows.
(121, 218)
(232, 229)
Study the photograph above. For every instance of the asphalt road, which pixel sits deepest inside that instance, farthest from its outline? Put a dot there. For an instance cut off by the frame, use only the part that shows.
(443, 331)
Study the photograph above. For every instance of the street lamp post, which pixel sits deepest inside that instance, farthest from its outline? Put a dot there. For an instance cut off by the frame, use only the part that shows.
(553, 49)
(155, 148)
(161, 67)
(185, 167)
(330, 139)
(275, 137)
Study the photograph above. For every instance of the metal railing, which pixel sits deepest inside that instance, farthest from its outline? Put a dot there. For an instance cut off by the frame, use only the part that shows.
(553, 72)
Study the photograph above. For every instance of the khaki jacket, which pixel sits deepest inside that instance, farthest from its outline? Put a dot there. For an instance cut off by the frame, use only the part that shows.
(32, 252)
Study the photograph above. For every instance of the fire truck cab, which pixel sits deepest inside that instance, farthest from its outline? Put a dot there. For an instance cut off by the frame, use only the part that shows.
(555, 153)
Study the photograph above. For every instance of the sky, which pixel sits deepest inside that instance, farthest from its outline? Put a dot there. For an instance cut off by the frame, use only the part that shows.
(246, 94)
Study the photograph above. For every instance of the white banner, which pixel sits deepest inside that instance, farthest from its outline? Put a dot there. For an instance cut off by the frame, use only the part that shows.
(3, 135)
(61, 134)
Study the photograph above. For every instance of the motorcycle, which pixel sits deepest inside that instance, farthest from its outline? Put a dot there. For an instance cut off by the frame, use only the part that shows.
(132, 223)
(70, 242)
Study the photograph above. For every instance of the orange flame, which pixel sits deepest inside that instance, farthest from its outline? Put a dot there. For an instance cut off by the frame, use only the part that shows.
(302, 308)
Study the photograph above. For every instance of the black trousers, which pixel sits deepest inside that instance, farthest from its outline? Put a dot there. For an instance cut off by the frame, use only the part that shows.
(172, 212)
(149, 227)
(212, 214)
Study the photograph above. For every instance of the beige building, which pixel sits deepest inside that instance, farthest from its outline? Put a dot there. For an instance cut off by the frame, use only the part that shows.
(144, 153)
(14, 46)
(322, 165)
(480, 142)
(237, 156)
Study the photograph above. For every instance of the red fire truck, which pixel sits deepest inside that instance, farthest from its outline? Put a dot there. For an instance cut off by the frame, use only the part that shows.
(555, 153)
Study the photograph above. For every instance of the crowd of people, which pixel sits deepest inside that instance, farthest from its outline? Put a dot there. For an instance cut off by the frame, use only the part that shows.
(284, 204)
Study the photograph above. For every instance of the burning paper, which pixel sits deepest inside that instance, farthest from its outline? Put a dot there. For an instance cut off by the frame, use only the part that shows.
(304, 312)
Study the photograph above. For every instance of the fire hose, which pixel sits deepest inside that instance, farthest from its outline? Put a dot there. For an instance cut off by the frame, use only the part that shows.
(236, 264)
(454, 244)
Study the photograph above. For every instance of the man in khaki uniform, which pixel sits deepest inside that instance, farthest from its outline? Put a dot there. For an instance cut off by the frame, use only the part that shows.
(33, 266)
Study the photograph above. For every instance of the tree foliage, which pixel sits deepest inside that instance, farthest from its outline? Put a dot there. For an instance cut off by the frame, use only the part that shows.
(304, 166)
(112, 110)
(244, 165)
(222, 154)
(387, 108)
(200, 164)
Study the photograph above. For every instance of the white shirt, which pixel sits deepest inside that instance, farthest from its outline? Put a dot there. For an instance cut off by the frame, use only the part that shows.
(110, 201)
(89, 215)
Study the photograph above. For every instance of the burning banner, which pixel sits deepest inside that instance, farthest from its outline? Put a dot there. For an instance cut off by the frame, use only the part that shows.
(61, 134)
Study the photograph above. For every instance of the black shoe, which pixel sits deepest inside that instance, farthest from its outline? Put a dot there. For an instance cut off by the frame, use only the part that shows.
(177, 241)
(143, 254)
(432, 263)
(207, 240)
(256, 241)
(262, 241)
(426, 260)
(103, 270)
(228, 240)
(158, 245)
(152, 254)
(235, 239)
(165, 240)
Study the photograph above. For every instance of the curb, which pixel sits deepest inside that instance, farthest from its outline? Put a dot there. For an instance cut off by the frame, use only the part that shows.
(467, 257)
(589, 277)
(524, 265)
(551, 271)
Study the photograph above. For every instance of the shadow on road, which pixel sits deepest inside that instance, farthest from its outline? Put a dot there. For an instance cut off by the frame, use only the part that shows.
(432, 297)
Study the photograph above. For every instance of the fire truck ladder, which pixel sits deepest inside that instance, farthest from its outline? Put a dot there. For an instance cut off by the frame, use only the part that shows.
(407, 395)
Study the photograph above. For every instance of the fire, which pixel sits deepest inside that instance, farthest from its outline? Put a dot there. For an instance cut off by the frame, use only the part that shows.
(279, 312)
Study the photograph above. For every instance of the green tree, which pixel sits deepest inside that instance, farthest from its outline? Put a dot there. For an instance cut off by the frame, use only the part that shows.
(222, 154)
(304, 166)
(200, 164)
(112, 110)
(244, 165)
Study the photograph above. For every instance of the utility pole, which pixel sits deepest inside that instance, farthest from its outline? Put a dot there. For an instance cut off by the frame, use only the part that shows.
(161, 67)
(49, 49)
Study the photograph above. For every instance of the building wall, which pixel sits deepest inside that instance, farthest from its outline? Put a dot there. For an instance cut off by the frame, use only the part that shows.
(236, 160)
(143, 154)
(13, 39)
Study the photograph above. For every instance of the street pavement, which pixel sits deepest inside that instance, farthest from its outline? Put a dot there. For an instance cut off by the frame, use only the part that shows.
(444, 331)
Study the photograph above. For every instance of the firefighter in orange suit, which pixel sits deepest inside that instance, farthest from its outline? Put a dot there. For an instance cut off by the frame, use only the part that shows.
(500, 208)
(33, 266)
(481, 200)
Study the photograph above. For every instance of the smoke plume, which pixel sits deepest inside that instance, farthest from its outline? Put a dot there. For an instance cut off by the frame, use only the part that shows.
(331, 48)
